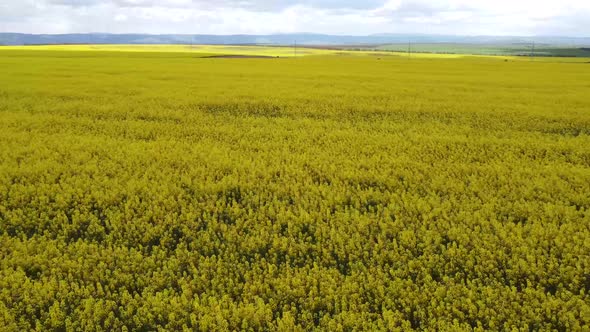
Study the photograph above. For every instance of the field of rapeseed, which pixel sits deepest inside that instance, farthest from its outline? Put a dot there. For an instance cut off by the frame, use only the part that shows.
(157, 191)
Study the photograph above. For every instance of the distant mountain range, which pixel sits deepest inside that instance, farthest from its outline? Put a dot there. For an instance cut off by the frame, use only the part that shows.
(278, 39)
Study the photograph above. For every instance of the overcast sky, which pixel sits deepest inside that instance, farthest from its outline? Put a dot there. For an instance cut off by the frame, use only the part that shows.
(344, 17)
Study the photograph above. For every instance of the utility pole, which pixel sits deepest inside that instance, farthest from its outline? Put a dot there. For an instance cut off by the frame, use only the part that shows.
(295, 48)
(409, 49)
(533, 51)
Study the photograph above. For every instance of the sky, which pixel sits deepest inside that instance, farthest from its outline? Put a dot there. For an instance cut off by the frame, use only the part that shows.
(340, 17)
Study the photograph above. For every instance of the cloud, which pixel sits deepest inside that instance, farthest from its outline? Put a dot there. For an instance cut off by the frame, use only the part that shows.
(256, 5)
(498, 17)
(73, 3)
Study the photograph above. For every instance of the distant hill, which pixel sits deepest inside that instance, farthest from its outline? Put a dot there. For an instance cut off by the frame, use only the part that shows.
(277, 39)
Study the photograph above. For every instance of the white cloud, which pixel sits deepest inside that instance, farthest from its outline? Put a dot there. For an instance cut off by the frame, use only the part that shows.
(497, 17)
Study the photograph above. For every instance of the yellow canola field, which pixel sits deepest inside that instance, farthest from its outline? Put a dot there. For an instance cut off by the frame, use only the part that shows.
(159, 191)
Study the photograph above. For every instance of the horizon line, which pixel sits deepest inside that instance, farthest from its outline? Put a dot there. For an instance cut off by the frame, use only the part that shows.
(380, 34)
